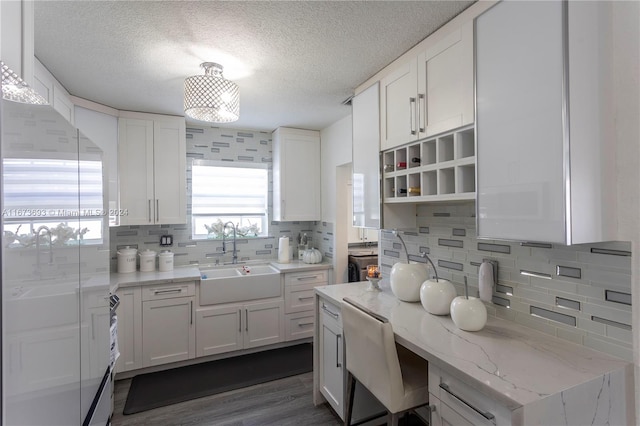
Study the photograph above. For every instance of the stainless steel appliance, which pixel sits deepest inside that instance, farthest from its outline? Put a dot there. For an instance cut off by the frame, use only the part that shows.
(55, 272)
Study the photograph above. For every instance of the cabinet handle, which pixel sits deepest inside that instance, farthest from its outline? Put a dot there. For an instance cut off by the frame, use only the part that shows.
(240, 320)
(422, 116)
(93, 326)
(432, 409)
(149, 211)
(324, 308)
(170, 291)
(283, 207)
(305, 298)
(487, 415)
(246, 320)
(157, 210)
(338, 337)
(412, 115)
(191, 314)
(308, 277)
(302, 324)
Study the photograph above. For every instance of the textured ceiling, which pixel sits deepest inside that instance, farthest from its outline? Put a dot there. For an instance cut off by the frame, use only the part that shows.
(295, 62)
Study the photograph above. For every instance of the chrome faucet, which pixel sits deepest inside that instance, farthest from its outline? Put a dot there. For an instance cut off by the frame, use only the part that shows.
(224, 248)
(48, 231)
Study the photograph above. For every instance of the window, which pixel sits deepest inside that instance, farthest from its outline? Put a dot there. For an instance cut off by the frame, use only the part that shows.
(224, 192)
(65, 195)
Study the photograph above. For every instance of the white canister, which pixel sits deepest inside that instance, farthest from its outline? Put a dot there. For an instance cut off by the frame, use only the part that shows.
(127, 260)
(165, 261)
(147, 260)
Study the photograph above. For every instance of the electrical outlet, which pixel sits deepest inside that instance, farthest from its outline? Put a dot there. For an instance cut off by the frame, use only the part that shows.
(166, 240)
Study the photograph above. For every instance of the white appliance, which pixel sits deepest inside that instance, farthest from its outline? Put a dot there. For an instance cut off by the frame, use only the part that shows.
(55, 272)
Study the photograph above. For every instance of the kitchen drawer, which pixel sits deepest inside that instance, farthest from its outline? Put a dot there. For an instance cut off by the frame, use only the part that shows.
(299, 298)
(298, 326)
(168, 291)
(468, 402)
(330, 312)
(319, 277)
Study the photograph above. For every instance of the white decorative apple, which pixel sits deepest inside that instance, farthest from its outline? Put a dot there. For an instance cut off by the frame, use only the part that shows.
(436, 296)
(468, 314)
(406, 279)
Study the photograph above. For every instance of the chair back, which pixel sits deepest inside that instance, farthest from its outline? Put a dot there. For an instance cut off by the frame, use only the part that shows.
(372, 356)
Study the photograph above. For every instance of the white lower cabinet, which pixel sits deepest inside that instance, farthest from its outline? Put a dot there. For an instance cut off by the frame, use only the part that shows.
(129, 329)
(227, 328)
(332, 371)
(168, 331)
(299, 295)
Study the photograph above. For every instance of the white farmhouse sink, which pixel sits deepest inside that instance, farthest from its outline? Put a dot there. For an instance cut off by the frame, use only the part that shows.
(227, 285)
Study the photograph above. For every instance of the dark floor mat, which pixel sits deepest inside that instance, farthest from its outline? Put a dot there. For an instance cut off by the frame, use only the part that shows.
(153, 390)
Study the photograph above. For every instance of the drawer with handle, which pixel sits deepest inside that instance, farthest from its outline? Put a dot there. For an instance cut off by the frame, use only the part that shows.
(168, 291)
(330, 312)
(299, 298)
(318, 277)
(466, 401)
(298, 326)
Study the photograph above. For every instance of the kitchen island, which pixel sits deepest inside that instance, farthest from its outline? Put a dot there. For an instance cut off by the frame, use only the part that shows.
(503, 374)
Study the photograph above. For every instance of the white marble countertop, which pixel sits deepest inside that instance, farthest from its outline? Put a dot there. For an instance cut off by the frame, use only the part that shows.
(132, 279)
(192, 273)
(300, 266)
(512, 364)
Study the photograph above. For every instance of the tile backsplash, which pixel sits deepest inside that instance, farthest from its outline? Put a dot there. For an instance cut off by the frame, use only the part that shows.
(214, 143)
(580, 293)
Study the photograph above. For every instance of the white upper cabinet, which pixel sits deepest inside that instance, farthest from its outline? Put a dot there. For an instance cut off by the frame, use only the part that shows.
(366, 159)
(152, 169)
(398, 105)
(445, 77)
(544, 172)
(429, 93)
(296, 175)
(17, 37)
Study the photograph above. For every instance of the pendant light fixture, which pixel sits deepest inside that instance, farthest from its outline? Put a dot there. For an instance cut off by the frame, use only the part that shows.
(211, 97)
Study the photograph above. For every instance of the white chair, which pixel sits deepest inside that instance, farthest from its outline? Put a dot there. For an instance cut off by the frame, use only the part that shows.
(397, 377)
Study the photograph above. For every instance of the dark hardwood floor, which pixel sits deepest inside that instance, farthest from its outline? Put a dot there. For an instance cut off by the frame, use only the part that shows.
(281, 402)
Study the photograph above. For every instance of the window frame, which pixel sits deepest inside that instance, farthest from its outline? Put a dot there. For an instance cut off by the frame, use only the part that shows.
(264, 228)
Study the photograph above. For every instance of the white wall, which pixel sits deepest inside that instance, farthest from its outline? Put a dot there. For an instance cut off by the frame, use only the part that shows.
(335, 150)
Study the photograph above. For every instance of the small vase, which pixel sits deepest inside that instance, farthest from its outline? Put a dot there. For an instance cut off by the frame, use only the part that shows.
(436, 296)
(406, 279)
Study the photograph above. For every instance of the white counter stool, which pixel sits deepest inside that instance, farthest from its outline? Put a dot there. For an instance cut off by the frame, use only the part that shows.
(397, 377)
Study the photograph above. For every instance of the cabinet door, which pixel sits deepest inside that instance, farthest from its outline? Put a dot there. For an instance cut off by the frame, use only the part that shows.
(331, 364)
(129, 329)
(520, 131)
(168, 331)
(218, 330)
(398, 106)
(445, 76)
(135, 169)
(366, 158)
(169, 160)
(263, 324)
(296, 175)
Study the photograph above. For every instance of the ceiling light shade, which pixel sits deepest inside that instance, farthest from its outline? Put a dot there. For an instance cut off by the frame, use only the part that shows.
(210, 97)
(17, 90)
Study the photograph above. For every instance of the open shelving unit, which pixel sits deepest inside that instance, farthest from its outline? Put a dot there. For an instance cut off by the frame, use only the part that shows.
(442, 168)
